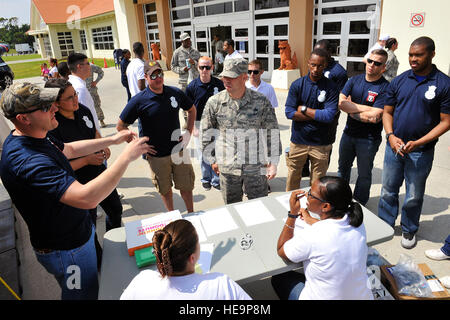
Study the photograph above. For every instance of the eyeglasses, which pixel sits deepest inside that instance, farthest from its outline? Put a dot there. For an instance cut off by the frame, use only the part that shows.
(253, 71)
(370, 61)
(204, 67)
(314, 197)
(153, 76)
(72, 97)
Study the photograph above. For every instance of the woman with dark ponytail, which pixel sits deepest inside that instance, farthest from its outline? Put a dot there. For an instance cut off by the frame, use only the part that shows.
(333, 248)
(177, 251)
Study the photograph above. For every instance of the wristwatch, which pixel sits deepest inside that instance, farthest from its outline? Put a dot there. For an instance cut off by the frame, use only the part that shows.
(388, 135)
(303, 110)
(290, 215)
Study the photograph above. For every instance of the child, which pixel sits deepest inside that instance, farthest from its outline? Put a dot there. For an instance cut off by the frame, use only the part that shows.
(44, 71)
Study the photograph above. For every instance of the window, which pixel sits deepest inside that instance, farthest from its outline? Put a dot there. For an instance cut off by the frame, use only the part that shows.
(270, 4)
(181, 14)
(219, 8)
(83, 40)
(65, 43)
(241, 5)
(47, 46)
(103, 38)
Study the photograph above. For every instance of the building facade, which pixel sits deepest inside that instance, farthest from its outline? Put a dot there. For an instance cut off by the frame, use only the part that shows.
(256, 26)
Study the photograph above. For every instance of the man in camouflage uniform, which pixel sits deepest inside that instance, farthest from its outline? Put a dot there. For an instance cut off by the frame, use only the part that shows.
(246, 136)
(91, 85)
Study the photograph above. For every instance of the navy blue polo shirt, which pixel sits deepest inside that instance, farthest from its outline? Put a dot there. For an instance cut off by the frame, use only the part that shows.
(200, 92)
(36, 174)
(335, 72)
(322, 96)
(159, 116)
(371, 94)
(418, 105)
(80, 128)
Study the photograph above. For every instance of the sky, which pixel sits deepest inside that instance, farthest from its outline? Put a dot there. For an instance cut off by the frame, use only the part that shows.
(16, 8)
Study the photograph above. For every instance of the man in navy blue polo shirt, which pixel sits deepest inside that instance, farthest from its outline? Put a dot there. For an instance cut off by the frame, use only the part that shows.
(416, 113)
(199, 91)
(362, 99)
(157, 108)
(312, 105)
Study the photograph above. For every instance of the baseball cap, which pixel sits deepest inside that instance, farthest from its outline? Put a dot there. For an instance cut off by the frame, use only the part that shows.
(184, 36)
(384, 37)
(233, 68)
(151, 66)
(25, 97)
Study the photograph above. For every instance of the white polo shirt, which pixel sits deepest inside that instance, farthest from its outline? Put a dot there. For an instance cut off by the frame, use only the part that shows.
(135, 72)
(84, 97)
(234, 55)
(334, 256)
(149, 285)
(266, 89)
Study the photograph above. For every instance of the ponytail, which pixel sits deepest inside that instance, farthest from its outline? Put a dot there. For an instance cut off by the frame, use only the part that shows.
(161, 243)
(355, 214)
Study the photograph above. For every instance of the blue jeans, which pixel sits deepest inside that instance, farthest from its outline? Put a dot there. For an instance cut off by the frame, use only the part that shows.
(414, 168)
(208, 174)
(364, 150)
(446, 248)
(288, 285)
(75, 270)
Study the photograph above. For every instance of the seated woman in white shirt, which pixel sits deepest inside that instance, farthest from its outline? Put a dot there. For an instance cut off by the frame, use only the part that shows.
(177, 250)
(333, 248)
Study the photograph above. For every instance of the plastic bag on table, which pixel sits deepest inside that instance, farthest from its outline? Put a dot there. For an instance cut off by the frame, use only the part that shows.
(410, 280)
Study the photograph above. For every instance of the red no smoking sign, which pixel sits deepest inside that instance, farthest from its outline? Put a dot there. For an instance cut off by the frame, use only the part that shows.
(417, 19)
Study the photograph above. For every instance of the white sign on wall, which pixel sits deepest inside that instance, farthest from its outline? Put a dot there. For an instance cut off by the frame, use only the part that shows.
(417, 20)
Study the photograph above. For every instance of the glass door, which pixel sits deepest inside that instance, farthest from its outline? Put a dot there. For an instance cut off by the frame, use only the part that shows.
(239, 34)
(267, 35)
(351, 30)
(202, 39)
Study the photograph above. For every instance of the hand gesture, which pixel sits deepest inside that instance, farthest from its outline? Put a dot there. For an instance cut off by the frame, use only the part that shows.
(397, 144)
(124, 135)
(294, 201)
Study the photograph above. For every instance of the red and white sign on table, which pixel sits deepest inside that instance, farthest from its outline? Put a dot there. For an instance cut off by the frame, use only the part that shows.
(417, 20)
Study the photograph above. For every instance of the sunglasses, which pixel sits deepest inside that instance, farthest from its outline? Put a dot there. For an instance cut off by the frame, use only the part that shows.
(314, 197)
(253, 71)
(45, 108)
(370, 61)
(153, 76)
(204, 67)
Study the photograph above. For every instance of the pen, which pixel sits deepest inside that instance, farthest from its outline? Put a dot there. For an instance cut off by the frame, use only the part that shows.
(301, 195)
(400, 149)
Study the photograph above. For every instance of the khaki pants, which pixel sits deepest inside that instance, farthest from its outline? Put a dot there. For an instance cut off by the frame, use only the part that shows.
(296, 158)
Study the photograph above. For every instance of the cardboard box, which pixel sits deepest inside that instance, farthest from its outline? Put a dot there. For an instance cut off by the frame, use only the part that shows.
(438, 289)
(139, 233)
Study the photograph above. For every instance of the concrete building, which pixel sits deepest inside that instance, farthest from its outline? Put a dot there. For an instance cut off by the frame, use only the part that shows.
(256, 26)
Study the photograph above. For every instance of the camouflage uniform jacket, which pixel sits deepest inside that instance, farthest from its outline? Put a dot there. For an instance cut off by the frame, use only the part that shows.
(179, 62)
(255, 140)
(99, 71)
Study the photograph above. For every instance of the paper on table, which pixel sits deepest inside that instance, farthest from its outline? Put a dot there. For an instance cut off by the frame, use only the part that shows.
(195, 220)
(203, 264)
(217, 221)
(284, 200)
(253, 213)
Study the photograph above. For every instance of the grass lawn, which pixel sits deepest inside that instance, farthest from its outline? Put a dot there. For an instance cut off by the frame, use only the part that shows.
(21, 57)
(33, 68)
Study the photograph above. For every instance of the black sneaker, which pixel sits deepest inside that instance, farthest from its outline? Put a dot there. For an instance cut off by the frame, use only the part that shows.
(268, 189)
(217, 187)
(206, 186)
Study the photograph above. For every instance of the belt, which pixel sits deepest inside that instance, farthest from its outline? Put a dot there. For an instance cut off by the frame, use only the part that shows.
(43, 251)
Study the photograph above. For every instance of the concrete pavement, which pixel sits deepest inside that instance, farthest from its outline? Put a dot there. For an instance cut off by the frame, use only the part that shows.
(142, 198)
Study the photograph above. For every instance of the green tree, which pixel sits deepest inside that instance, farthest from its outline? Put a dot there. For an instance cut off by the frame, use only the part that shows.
(11, 33)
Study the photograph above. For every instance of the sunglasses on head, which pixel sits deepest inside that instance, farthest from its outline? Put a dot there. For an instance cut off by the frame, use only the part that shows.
(370, 61)
(204, 67)
(253, 71)
(153, 76)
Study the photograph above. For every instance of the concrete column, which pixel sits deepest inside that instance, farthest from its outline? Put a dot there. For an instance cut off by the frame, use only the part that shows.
(301, 14)
(125, 14)
(165, 32)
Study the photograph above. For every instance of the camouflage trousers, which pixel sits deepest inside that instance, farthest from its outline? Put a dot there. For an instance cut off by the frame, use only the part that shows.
(233, 186)
(97, 103)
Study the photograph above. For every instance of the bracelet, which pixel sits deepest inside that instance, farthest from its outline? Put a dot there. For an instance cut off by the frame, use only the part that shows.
(292, 228)
(295, 216)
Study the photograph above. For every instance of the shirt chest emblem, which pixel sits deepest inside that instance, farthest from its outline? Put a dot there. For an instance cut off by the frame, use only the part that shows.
(322, 95)
(430, 94)
(173, 102)
(216, 90)
(89, 123)
(371, 96)
(327, 74)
